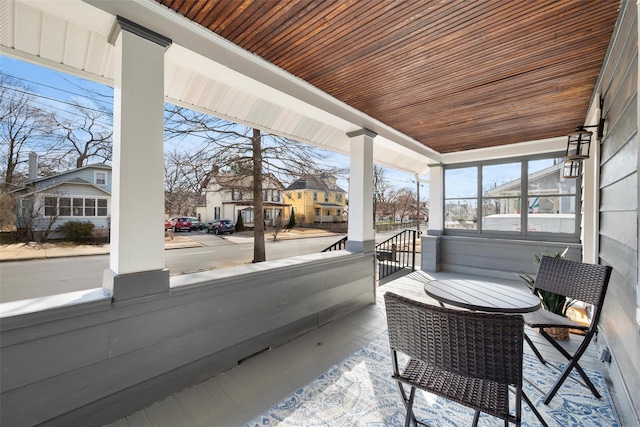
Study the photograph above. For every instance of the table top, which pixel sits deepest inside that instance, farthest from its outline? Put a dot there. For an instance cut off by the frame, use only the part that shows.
(481, 295)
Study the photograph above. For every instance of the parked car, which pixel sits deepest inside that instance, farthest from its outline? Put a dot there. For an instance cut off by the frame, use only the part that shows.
(220, 226)
(196, 224)
(167, 225)
(180, 223)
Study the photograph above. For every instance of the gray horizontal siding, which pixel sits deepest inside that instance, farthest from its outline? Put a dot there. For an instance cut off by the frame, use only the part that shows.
(87, 175)
(618, 232)
(79, 190)
(496, 257)
(620, 197)
(619, 131)
(619, 256)
(619, 167)
(621, 227)
(102, 359)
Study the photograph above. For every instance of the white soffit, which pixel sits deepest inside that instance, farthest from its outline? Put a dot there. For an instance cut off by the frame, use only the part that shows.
(67, 35)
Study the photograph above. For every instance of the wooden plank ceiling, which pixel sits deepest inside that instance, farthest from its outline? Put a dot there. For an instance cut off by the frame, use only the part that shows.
(453, 74)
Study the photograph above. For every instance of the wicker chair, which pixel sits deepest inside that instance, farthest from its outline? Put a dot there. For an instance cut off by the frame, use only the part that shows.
(575, 280)
(468, 357)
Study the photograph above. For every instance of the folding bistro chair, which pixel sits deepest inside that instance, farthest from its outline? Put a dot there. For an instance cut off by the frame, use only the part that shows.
(575, 280)
(468, 357)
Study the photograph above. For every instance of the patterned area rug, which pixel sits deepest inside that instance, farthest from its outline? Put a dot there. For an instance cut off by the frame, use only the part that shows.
(360, 392)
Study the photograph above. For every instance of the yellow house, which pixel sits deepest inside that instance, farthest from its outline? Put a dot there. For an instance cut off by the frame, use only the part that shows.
(316, 200)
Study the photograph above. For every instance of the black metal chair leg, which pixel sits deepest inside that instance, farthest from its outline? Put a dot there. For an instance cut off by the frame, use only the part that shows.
(534, 410)
(535, 350)
(573, 364)
(476, 417)
(409, 406)
(518, 417)
(565, 373)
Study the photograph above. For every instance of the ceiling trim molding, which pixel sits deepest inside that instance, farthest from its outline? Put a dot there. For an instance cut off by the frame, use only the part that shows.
(123, 24)
(363, 131)
(528, 148)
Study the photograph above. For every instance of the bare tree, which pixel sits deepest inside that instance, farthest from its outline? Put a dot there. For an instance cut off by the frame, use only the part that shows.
(398, 203)
(259, 251)
(23, 127)
(7, 212)
(246, 152)
(185, 178)
(277, 227)
(86, 134)
(37, 215)
(381, 191)
(406, 203)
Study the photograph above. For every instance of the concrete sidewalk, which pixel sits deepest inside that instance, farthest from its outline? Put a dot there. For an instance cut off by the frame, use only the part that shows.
(32, 250)
(296, 233)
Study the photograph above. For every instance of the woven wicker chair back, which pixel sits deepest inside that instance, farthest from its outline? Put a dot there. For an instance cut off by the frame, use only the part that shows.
(578, 280)
(478, 345)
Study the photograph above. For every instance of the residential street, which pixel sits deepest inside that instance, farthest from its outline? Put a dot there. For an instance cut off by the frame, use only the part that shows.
(34, 278)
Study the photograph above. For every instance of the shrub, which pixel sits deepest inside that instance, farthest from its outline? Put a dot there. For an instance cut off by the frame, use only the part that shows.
(239, 223)
(99, 235)
(77, 231)
(277, 226)
(292, 220)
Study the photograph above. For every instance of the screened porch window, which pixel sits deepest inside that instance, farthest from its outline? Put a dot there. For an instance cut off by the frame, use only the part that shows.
(76, 206)
(514, 198)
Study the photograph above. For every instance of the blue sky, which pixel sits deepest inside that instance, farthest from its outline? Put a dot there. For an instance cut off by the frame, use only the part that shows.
(56, 89)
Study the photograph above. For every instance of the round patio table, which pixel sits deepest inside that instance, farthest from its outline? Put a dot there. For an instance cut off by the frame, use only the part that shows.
(480, 295)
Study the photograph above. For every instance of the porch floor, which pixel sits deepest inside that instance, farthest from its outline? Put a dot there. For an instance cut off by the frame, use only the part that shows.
(237, 396)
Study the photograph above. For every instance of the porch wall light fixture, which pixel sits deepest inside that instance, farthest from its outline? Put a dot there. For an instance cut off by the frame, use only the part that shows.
(578, 146)
(572, 169)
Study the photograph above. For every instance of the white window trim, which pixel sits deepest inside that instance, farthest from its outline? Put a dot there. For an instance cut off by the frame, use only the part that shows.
(96, 174)
(560, 237)
(57, 207)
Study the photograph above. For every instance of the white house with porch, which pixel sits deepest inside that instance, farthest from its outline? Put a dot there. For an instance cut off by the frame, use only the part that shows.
(229, 195)
(81, 194)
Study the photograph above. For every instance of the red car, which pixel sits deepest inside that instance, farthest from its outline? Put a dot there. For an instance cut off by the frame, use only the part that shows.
(178, 223)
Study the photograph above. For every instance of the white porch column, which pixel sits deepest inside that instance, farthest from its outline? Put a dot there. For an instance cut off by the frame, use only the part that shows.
(430, 255)
(436, 200)
(361, 233)
(591, 195)
(136, 263)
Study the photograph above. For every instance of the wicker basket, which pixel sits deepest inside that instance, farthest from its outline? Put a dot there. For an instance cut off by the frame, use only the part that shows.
(558, 334)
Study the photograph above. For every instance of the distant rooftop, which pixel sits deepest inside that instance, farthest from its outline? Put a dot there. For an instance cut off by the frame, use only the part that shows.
(320, 183)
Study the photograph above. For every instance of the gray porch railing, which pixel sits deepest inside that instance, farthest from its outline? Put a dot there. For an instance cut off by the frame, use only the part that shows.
(393, 254)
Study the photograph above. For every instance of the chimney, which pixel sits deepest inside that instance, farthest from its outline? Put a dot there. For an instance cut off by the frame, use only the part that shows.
(332, 182)
(33, 166)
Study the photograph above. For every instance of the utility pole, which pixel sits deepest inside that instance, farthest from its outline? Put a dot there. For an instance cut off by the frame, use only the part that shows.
(418, 202)
(419, 182)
